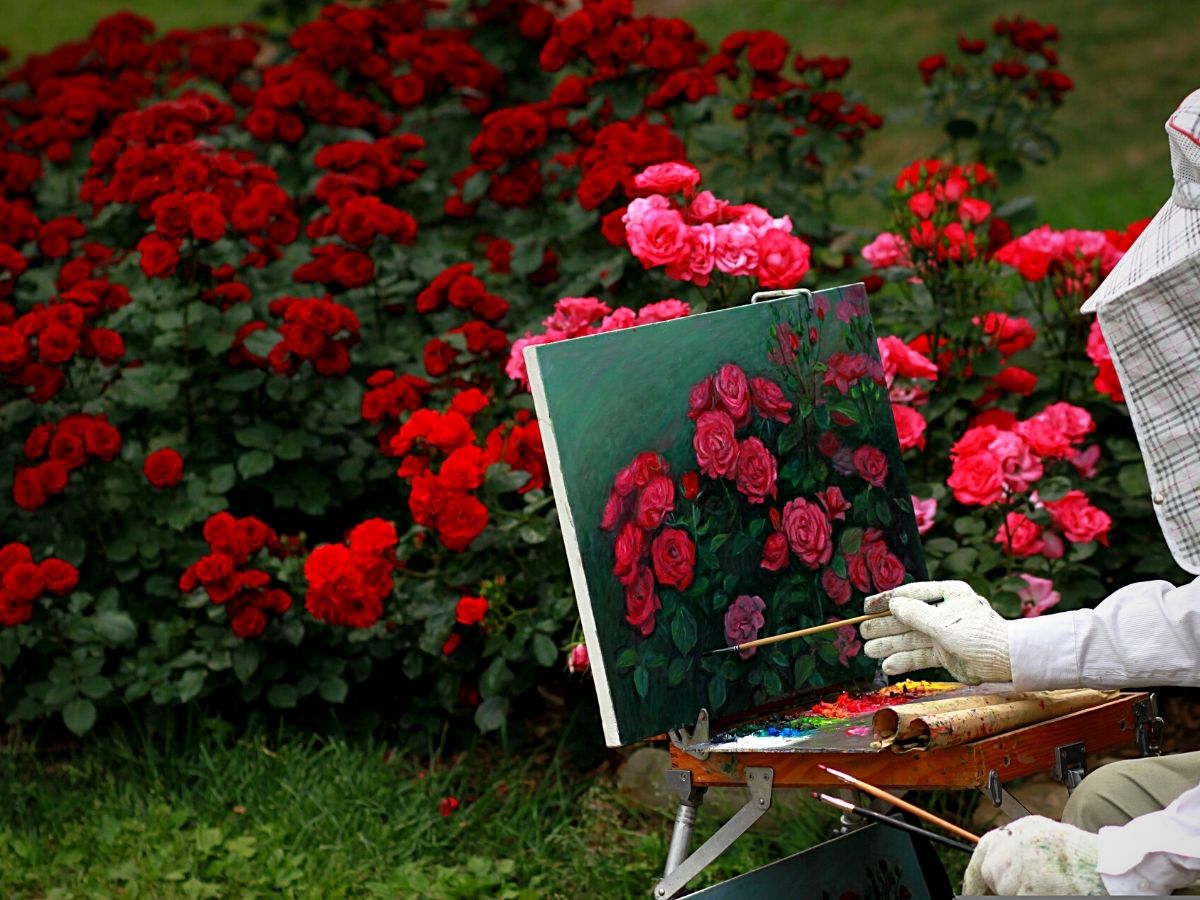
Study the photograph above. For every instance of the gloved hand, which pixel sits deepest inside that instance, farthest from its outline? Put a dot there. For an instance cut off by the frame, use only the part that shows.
(962, 634)
(1035, 855)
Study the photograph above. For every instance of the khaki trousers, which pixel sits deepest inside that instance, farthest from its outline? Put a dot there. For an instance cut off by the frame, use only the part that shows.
(1120, 791)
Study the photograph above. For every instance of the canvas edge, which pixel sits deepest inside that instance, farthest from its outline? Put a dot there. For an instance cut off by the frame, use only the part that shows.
(608, 715)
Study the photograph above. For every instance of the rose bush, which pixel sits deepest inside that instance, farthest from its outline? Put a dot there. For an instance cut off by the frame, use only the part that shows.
(262, 302)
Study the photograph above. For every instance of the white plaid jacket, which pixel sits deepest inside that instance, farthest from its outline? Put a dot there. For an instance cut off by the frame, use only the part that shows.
(1149, 311)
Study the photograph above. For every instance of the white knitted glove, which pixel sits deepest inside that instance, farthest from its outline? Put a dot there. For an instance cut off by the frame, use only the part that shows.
(1035, 855)
(962, 634)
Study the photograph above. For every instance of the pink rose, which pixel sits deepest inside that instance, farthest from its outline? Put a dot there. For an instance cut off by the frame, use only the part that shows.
(1085, 461)
(674, 556)
(707, 208)
(886, 569)
(663, 311)
(834, 501)
(641, 602)
(972, 210)
(847, 644)
(630, 543)
(1020, 467)
(926, 511)
(515, 367)
(1078, 520)
(696, 262)
(743, 620)
(656, 233)
(774, 552)
(1052, 432)
(756, 470)
(1074, 421)
(715, 444)
(910, 427)
(1037, 596)
(668, 178)
(736, 249)
(656, 500)
(1020, 535)
(901, 360)
(733, 390)
(836, 587)
(887, 250)
(577, 659)
(1097, 349)
(621, 317)
(783, 259)
(976, 480)
(759, 220)
(769, 401)
(843, 370)
(573, 315)
(871, 465)
(808, 532)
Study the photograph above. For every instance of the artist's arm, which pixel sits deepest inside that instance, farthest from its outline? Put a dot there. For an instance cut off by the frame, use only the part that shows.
(1143, 635)
(1153, 854)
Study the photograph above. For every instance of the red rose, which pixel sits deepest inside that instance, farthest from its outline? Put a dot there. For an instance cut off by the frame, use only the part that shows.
(977, 480)
(614, 510)
(163, 468)
(13, 349)
(782, 259)
(460, 521)
(690, 482)
(871, 465)
(733, 390)
(641, 602)
(769, 400)
(715, 444)
(836, 587)
(1020, 536)
(59, 576)
(856, 567)
(248, 622)
(159, 257)
(808, 532)
(627, 550)
(53, 475)
(674, 556)
(68, 448)
(102, 440)
(834, 501)
(470, 610)
(27, 489)
(886, 570)
(756, 470)
(1078, 520)
(702, 398)
(774, 552)
(23, 582)
(656, 500)
(1015, 380)
(56, 344)
(106, 344)
(910, 427)
(353, 269)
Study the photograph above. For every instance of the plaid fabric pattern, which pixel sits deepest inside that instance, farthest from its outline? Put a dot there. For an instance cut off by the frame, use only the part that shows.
(1149, 311)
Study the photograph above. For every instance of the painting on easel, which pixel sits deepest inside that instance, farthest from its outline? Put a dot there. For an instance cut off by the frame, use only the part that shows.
(718, 478)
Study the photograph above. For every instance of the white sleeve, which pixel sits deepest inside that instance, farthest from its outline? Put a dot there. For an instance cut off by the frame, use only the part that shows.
(1153, 854)
(1144, 635)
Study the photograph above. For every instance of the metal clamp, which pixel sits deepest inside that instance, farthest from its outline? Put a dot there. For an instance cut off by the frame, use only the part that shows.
(789, 292)
(1070, 764)
(1002, 799)
(685, 740)
(1148, 725)
(678, 872)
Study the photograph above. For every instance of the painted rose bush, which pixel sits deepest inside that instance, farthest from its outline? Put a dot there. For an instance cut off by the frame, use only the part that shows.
(787, 511)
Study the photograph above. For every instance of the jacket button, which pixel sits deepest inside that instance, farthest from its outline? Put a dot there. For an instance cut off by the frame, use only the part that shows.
(1159, 498)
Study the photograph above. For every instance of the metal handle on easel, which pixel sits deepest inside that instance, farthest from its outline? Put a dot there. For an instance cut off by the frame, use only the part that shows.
(789, 292)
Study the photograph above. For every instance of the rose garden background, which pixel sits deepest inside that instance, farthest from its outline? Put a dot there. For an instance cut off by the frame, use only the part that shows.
(270, 459)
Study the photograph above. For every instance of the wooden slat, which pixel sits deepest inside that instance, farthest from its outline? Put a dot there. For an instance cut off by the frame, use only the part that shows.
(1015, 754)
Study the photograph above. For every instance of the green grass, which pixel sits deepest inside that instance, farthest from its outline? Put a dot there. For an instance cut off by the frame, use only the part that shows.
(208, 813)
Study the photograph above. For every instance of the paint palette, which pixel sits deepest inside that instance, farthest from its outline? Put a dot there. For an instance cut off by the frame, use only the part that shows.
(718, 478)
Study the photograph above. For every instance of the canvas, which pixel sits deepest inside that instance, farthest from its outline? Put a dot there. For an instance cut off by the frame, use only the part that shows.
(722, 477)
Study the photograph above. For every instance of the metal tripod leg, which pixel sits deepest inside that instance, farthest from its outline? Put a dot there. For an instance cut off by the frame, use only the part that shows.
(680, 869)
(690, 798)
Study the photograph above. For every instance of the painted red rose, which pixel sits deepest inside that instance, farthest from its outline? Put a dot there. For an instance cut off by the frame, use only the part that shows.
(690, 482)
(163, 468)
(886, 569)
(631, 542)
(715, 444)
(756, 470)
(702, 398)
(674, 556)
(836, 587)
(733, 391)
(774, 552)
(769, 401)
(641, 602)
(655, 502)
(835, 502)
(614, 509)
(871, 465)
(856, 568)
(808, 532)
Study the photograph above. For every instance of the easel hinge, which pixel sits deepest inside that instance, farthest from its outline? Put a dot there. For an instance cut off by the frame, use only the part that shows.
(685, 740)
(1148, 725)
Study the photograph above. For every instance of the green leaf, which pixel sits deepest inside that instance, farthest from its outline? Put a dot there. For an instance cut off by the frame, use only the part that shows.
(114, 626)
(683, 630)
(716, 693)
(191, 684)
(475, 187)
(79, 716)
(803, 670)
(255, 462)
(942, 545)
(1054, 488)
(491, 714)
(641, 681)
(122, 550)
(282, 696)
(334, 690)
(961, 561)
(95, 686)
(222, 478)
(676, 671)
(1132, 479)
(545, 653)
(246, 657)
(772, 682)
(627, 659)
(260, 343)
(240, 382)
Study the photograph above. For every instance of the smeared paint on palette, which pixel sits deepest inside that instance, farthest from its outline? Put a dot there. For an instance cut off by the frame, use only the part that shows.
(791, 728)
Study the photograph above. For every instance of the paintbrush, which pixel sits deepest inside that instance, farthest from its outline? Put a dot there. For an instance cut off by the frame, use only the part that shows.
(803, 632)
(901, 804)
(892, 822)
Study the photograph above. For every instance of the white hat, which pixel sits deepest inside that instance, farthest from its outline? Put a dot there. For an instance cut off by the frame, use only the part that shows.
(1149, 313)
(1173, 236)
